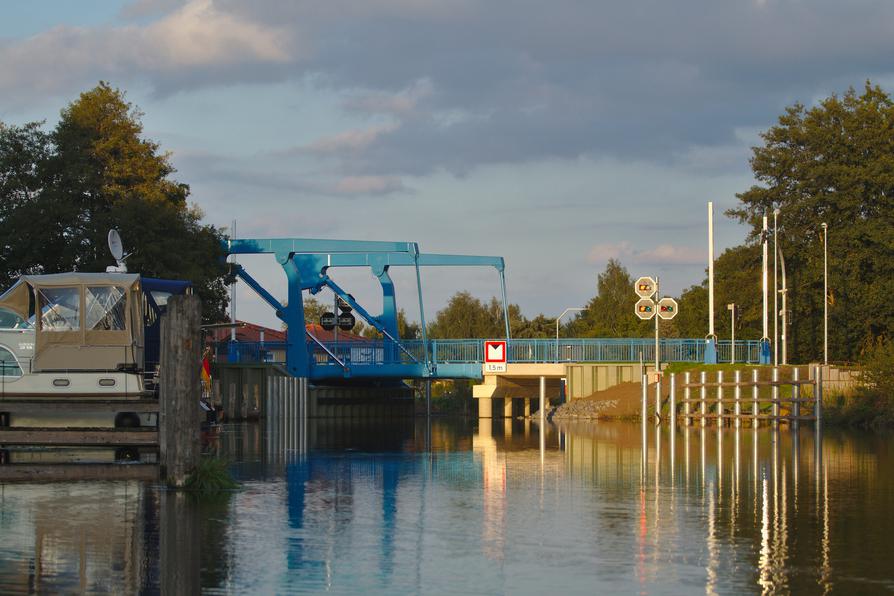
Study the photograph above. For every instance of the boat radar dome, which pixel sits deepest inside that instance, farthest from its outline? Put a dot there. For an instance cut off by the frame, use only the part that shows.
(117, 249)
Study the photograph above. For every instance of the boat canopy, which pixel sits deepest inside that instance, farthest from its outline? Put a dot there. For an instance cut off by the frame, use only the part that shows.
(82, 321)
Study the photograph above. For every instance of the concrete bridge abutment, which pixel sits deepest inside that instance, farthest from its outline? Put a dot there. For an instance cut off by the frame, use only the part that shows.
(510, 394)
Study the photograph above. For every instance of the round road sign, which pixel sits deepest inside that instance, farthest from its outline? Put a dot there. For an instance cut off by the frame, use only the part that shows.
(667, 308)
(644, 287)
(645, 309)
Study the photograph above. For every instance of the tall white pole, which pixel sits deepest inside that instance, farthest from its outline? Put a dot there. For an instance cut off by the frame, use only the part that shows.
(775, 290)
(710, 268)
(784, 313)
(764, 279)
(732, 326)
(825, 293)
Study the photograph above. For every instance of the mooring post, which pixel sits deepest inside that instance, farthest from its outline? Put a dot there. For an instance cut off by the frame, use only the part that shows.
(673, 405)
(703, 395)
(687, 405)
(645, 405)
(542, 401)
(775, 394)
(719, 397)
(796, 397)
(738, 396)
(658, 399)
(180, 388)
(818, 395)
(755, 407)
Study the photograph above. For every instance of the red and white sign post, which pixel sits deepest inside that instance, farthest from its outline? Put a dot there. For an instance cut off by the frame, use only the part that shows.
(495, 352)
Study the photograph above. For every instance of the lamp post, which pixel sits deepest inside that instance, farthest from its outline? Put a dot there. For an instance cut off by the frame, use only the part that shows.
(732, 318)
(564, 312)
(825, 293)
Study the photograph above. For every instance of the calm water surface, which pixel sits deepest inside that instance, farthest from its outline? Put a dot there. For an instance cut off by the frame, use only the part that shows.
(490, 509)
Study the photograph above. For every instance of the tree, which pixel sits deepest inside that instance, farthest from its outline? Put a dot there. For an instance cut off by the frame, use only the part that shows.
(610, 313)
(468, 317)
(831, 163)
(737, 272)
(62, 191)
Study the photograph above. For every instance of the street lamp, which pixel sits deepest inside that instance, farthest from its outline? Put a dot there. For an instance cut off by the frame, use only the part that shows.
(732, 317)
(825, 293)
(564, 312)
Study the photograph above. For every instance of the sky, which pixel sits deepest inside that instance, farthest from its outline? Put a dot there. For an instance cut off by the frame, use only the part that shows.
(555, 134)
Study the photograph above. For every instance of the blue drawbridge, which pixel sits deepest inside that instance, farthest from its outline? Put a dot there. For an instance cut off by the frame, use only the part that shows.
(306, 263)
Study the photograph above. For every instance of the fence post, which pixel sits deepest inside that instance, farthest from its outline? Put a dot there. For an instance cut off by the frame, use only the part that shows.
(796, 397)
(180, 388)
(673, 402)
(755, 408)
(738, 396)
(687, 419)
(703, 395)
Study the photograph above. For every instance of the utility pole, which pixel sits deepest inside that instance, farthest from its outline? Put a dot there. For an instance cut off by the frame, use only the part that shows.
(765, 338)
(775, 289)
(825, 293)
(711, 339)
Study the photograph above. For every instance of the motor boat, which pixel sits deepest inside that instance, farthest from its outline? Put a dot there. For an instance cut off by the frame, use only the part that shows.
(82, 336)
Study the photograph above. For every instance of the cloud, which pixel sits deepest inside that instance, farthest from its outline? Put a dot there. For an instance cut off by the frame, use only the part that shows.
(401, 103)
(350, 140)
(475, 83)
(197, 41)
(663, 254)
(368, 185)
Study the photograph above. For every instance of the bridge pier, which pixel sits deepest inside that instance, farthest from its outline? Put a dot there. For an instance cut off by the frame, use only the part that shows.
(507, 407)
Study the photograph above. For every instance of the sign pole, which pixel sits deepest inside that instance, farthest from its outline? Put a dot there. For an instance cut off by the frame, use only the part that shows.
(657, 360)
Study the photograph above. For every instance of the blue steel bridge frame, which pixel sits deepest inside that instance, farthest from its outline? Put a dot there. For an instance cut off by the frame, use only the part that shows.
(306, 263)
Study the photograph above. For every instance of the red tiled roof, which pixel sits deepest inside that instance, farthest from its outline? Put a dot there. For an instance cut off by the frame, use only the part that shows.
(249, 332)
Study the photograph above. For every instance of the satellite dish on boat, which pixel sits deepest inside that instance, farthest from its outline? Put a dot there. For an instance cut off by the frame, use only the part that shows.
(116, 247)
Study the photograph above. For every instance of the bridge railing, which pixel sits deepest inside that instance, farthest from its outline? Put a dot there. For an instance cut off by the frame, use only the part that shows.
(465, 351)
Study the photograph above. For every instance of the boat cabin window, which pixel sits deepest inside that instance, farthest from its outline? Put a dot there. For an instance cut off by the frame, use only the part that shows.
(10, 320)
(60, 309)
(9, 367)
(105, 308)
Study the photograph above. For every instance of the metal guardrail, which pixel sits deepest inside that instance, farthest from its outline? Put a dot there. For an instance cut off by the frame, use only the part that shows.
(471, 351)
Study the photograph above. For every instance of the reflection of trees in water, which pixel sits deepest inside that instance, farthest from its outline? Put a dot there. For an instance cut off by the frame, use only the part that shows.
(776, 511)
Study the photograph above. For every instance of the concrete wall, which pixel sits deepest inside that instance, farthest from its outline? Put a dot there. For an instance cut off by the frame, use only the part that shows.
(240, 389)
(837, 380)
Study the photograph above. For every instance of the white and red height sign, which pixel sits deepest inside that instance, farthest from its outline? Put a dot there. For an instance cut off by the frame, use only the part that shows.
(495, 356)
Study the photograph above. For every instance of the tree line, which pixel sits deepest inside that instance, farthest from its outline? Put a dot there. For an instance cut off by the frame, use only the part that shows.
(61, 190)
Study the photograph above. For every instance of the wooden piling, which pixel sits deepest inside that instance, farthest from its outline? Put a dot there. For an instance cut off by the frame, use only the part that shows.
(179, 422)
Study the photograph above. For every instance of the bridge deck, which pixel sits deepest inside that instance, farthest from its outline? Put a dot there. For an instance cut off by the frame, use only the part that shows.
(463, 358)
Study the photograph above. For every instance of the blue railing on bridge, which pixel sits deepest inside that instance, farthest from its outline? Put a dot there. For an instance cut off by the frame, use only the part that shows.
(470, 351)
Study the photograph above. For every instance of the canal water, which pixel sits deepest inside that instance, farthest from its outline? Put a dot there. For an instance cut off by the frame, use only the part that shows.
(500, 508)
